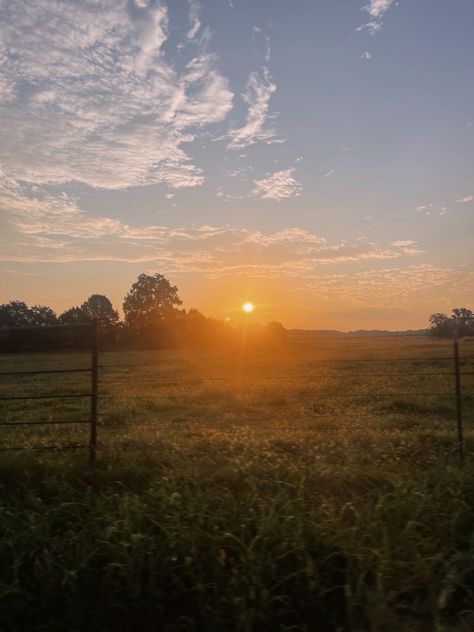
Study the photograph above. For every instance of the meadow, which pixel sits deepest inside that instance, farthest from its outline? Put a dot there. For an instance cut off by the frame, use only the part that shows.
(314, 486)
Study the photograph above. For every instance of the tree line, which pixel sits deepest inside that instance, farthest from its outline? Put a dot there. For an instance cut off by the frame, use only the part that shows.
(153, 317)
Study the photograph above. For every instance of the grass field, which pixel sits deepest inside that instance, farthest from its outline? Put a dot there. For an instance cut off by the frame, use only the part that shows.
(314, 487)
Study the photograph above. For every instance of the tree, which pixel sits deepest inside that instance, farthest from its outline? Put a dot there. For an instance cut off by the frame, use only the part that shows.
(460, 323)
(18, 314)
(15, 314)
(440, 326)
(464, 321)
(42, 315)
(99, 307)
(151, 299)
(74, 316)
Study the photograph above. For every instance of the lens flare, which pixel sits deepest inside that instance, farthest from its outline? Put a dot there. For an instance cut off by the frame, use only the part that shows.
(248, 307)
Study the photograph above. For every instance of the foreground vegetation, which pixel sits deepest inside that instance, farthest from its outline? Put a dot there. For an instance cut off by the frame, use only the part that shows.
(309, 489)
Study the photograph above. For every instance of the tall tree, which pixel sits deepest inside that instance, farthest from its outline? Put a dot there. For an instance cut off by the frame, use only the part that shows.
(151, 299)
(100, 308)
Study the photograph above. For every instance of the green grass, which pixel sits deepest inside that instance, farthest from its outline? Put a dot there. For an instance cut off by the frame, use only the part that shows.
(251, 492)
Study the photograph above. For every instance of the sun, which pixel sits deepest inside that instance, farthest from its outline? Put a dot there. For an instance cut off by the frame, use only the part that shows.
(248, 307)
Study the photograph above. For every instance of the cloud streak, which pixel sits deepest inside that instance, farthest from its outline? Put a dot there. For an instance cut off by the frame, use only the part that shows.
(257, 96)
(194, 8)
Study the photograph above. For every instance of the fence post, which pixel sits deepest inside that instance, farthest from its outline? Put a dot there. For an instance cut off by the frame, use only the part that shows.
(457, 377)
(94, 384)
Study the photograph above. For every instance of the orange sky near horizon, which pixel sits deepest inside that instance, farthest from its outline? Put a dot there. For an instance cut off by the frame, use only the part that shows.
(364, 303)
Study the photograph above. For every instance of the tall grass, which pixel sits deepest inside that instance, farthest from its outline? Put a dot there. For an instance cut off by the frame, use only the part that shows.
(244, 497)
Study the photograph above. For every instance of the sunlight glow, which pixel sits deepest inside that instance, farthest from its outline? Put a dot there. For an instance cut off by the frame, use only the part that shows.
(248, 307)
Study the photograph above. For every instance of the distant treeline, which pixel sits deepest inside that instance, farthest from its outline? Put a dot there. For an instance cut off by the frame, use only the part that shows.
(153, 319)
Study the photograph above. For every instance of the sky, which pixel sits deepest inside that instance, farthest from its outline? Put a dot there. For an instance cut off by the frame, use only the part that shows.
(315, 157)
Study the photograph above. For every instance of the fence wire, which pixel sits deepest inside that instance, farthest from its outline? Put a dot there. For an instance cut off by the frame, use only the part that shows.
(324, 369)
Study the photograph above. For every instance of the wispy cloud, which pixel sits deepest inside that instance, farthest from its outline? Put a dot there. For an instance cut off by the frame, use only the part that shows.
(376, 9)
(393, 287)
(366, 55)
(433, 208)
(278, 186)
(194, 8)
(39, 227)
(89, 85)
(372, 27)
(257, 96)
(404, 242)
(407, 246)
(442, 208)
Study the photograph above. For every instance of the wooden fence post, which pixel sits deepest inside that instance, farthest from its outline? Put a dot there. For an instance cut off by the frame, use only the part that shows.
(457, 378)
(94, 385)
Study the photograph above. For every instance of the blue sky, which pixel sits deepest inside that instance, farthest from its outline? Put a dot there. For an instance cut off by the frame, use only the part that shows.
(315, 157)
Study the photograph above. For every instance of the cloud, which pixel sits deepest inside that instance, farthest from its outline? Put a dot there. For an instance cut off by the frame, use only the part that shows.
(259, 90)
(329, 173)
(407, 247)
(39, 227)
(441, 208)
(366, 55)
(433, 208)
(376, 9)
(372, 27)
(422, 285)
(90, 96)
(278, 186)
(194, 8)
(404, 242)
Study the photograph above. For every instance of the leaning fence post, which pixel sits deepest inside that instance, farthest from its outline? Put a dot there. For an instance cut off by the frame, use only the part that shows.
(94, 384)
(457, 377)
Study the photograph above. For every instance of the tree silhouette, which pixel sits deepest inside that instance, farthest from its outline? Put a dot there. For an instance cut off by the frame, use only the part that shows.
(100, 308)
(460, 323)
(464, 321)
(74, 316)
(42, 315)
(151, 299)
(18, 314)
(15, 314)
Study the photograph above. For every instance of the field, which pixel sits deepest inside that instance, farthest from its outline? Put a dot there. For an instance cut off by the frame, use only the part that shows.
(313, 487)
